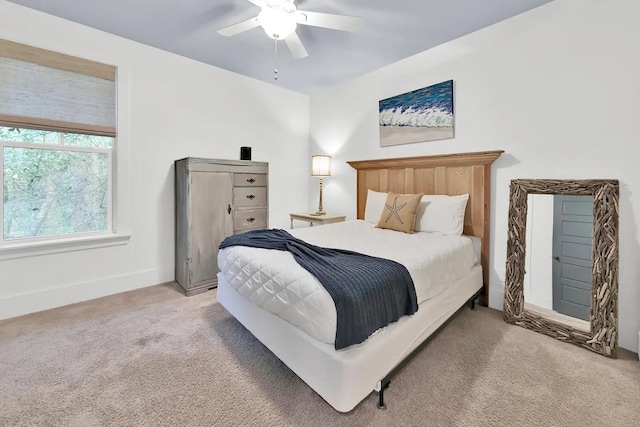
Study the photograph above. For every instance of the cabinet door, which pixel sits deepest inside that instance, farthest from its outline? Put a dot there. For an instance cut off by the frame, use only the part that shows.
(211, 197)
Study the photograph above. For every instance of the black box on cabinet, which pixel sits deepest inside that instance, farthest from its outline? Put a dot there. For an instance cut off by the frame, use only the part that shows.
(245, 153)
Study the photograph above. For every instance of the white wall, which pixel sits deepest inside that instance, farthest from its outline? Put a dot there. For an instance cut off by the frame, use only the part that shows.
(171, 107)
(557, 88)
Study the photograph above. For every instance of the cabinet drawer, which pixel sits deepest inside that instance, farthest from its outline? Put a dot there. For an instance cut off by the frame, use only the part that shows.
(250, 180)
(249, 196)
(250, 219)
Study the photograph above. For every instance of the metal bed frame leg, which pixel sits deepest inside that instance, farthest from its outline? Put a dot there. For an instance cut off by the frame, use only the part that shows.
(381, 404)
(473, 301)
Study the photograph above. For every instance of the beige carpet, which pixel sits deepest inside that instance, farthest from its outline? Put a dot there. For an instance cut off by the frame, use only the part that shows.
(155, 357)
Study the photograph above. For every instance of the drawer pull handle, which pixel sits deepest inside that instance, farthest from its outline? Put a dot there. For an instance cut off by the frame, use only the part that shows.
(229, 209)
(251, 197)
(251, 180)
(250, 219)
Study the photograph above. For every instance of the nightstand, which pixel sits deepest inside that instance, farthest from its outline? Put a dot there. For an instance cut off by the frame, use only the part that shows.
(316, 219)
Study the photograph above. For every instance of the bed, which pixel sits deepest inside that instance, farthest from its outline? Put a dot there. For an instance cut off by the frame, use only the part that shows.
(345, 377)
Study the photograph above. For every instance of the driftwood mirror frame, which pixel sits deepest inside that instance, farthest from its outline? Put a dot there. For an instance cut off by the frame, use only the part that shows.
(603, 335)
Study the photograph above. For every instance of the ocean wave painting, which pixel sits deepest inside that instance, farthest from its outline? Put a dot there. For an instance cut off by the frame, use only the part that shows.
(421, 115)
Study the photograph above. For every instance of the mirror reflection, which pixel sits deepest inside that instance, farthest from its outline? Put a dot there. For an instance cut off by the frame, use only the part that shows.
(558, 274)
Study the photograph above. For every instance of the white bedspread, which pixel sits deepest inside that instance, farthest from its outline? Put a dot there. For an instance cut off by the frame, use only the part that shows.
(273, 280)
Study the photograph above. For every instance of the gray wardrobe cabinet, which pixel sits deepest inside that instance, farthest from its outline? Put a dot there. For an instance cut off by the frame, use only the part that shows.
(214, 199)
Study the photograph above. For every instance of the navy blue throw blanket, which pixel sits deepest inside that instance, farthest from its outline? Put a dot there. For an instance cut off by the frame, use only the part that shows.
(368, 292)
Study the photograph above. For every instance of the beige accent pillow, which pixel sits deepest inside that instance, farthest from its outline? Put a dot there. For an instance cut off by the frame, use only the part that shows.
(399, 212)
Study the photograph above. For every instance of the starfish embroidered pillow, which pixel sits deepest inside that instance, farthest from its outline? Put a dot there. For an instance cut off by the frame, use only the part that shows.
(399, 212)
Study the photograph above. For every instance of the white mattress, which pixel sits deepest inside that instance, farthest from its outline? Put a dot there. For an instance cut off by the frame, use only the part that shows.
(274, 281)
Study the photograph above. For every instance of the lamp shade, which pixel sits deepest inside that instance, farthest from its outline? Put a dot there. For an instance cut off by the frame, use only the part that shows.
(320, 165)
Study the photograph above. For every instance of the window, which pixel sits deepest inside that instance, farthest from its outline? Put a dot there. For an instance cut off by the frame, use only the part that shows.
(54, 183)
(57, 147)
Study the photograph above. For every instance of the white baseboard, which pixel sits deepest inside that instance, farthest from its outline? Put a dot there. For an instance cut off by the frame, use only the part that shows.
(31, 302)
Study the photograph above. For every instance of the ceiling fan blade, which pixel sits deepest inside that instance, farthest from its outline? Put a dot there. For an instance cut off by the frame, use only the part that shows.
(240, 27)
(295, 46)
(328, 20)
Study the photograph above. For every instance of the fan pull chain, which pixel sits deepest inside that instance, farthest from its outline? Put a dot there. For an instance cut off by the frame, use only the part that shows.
(275, 59)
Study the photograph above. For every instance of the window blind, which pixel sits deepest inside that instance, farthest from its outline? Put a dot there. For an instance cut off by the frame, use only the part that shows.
(41, 89)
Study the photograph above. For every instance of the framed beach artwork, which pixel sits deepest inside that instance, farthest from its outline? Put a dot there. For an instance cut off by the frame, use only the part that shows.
(421, 115)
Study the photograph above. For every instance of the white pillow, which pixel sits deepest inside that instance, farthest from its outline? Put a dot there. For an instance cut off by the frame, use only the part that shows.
(438, 213)
(374, 206)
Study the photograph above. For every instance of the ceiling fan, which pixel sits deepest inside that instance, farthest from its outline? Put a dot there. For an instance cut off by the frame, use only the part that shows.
(279, 19)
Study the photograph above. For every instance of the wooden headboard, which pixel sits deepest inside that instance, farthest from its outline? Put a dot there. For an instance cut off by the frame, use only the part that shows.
(450, 174)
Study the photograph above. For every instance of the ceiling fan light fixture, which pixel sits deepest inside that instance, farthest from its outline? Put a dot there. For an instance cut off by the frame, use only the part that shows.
(277, 23)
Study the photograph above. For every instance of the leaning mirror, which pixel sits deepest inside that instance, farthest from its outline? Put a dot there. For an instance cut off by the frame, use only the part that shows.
(562, 260)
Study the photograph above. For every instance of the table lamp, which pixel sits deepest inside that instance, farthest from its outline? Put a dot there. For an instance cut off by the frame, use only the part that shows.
(320, 167)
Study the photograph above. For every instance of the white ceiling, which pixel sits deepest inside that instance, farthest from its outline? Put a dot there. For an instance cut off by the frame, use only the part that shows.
(392, 30)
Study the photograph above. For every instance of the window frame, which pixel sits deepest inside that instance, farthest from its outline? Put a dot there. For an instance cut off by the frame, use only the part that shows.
(39, 245)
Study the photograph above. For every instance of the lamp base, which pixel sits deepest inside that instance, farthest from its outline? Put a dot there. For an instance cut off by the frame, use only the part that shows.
(318, 213)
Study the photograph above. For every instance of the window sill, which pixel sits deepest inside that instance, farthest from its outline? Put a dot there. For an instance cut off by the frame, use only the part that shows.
(30, 248)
